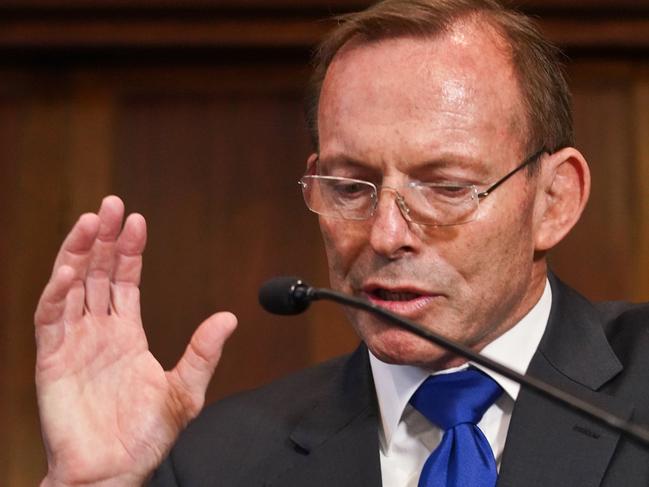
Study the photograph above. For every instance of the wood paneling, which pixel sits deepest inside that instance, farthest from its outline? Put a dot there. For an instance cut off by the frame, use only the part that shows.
(198, 32)
(255, 5)
(640, 188)
(10, 121)
(598, 33)
(82, 24)
(37, 191)
(215, 171)
(210, 152)
(604, 255)
(602, 106)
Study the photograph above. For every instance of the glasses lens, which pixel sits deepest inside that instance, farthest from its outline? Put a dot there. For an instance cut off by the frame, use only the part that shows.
(354, 199)
(441, 204)
(349, 199)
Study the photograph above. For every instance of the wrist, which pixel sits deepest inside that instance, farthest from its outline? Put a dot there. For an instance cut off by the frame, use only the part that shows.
(48, 481)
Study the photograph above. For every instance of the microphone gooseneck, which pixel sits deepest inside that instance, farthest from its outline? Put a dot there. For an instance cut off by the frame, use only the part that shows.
(291, 295)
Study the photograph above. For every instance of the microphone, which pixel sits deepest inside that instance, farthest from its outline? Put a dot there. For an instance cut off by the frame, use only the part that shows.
(285, 295)
(291, 295)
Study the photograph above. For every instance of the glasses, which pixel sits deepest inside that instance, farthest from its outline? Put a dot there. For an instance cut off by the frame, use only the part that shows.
(434, 204)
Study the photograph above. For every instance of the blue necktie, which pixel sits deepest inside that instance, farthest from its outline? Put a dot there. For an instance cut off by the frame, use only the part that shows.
(456, 402)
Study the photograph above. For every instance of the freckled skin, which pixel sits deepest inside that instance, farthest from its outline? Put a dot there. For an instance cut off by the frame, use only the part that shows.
(393, 104)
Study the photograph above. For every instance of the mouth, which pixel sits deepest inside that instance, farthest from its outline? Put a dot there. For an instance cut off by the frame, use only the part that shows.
(407, 301)
(387, 295)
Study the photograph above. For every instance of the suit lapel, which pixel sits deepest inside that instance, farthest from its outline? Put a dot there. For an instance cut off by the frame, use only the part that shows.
(549, 444)
(336, 443)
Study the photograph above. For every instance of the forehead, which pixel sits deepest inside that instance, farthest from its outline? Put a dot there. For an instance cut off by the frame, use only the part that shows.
(455, 92)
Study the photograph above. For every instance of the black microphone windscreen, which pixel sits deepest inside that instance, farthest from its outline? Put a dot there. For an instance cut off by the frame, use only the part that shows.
(276, 296)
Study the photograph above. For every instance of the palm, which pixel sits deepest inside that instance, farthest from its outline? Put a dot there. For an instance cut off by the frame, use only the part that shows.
(109, 411)
(110, 387)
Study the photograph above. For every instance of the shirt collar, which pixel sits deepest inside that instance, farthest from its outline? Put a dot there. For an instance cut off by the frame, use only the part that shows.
(395, 384)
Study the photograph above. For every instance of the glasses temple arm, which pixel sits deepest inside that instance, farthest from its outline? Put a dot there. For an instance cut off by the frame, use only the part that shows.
(525, 163)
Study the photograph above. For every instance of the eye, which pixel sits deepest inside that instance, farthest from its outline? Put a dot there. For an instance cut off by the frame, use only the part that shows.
(349, 189)
(452, 191)
(445, 192)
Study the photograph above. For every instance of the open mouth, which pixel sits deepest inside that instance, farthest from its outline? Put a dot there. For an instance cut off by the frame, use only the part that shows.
(407, 300)
(386, 295)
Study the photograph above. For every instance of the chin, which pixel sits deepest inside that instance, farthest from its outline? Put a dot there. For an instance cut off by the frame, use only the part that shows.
(395, 346)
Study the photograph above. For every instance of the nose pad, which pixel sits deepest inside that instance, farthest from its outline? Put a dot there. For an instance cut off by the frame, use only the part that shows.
(391, 235)
(405, 211)
(401, 203)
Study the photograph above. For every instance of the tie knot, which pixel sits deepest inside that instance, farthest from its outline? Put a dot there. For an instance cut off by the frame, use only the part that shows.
(460, 397)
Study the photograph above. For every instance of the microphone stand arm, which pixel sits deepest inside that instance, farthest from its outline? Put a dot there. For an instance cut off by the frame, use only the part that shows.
(634, 431)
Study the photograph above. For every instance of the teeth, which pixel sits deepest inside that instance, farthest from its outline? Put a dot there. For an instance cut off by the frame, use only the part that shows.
(386, 295)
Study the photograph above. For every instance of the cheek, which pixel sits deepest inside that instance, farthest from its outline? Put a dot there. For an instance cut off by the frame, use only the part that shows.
(505, 246)
(495, 252)
(344, 243)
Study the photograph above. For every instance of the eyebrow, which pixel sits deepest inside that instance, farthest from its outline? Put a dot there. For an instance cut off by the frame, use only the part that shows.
(341, 161)
(445, 161)
(476, 167)
(455, 160)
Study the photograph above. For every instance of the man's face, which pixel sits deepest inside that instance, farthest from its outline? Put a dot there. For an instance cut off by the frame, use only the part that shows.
(445, 109)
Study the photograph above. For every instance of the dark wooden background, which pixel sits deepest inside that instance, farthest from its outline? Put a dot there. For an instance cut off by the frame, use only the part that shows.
(191, 110)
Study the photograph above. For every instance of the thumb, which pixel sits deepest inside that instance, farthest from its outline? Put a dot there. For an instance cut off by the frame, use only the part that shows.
(195, 368)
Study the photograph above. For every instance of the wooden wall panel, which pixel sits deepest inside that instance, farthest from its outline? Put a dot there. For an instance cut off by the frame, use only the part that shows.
(641, 184)
(215, 173)
(254, 5)
(602, 108)
(48, 25)
(209, 147)
(603, 256)
(10, 117)
(38, 193)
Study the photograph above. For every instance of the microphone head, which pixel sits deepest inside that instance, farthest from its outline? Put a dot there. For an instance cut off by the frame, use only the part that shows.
(284, 295)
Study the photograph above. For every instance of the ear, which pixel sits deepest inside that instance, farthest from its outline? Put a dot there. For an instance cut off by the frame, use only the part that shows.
(563, 190)
(311, 163)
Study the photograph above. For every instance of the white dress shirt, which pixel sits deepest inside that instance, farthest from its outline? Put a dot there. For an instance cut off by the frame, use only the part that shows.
(407, 438)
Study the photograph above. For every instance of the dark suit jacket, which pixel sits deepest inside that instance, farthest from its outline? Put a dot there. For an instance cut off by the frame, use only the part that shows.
(320, 427)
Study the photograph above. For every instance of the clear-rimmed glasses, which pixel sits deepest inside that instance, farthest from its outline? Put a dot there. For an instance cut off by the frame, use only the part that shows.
(435, 204)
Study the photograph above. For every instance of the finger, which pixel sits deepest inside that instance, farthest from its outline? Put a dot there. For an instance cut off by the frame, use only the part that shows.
(102, 256)
(74, 302)
(52, 302)
(196, 367)
(128, 268)
(48, 317)
(75, 250)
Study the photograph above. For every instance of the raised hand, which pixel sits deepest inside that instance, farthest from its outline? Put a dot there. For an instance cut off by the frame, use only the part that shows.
(109, 412)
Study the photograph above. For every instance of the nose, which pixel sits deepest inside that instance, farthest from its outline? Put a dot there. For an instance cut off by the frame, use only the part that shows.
(391, 234)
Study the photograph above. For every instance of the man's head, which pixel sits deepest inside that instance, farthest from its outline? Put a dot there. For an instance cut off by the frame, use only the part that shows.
(444, 104)
(535, 61)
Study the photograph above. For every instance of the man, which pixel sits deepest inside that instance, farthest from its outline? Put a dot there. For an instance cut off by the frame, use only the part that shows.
(444, 172)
